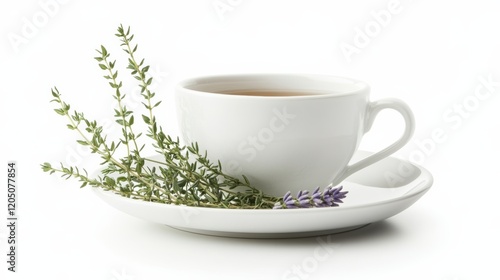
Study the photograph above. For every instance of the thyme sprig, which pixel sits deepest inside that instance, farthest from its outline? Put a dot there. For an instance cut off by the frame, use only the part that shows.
(181, 175)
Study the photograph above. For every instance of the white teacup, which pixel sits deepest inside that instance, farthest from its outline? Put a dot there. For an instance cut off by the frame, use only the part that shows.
(285, 132)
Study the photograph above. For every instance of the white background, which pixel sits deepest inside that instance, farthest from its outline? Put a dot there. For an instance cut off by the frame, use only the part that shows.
(432, 54)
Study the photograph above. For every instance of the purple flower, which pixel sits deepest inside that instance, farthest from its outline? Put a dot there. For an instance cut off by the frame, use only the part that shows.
(316, 198)
(330, 197)
(303, 198)
(289, 201)
(333, 196)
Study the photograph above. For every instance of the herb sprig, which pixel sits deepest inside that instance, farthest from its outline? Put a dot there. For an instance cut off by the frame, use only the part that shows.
(183, 175)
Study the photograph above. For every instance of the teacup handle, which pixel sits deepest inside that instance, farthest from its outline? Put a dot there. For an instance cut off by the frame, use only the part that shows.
(372, 111)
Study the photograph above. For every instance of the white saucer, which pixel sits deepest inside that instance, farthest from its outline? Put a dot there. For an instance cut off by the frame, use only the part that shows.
(376, 193)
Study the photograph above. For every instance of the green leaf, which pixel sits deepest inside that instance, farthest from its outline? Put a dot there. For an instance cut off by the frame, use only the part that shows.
(110, 181)
(103, 67)
(104, 51)
(210, 199)
(46, 167)
(140, 164)
(60, 111)
(245, 178)
(82, 142)
(65, 106)
(121, 179)
(55, 92)
(175, 185)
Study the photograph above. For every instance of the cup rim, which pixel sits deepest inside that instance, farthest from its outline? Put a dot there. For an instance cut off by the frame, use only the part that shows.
(183, 85)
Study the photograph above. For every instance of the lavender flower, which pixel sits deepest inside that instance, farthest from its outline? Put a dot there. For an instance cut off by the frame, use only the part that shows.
(288, 201)
(330, 197)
